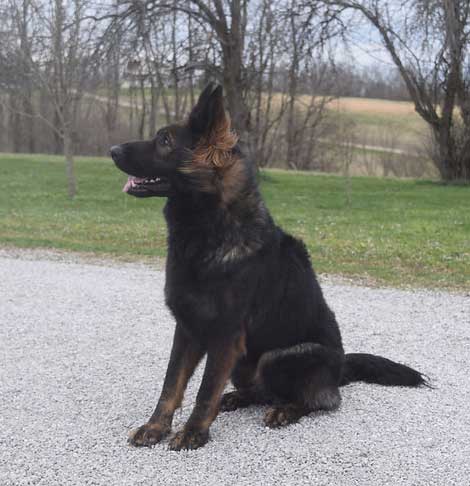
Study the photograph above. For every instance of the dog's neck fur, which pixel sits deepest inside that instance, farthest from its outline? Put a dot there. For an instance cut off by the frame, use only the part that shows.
(203, 225)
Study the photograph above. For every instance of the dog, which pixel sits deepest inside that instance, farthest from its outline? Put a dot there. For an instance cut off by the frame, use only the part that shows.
(241, 290)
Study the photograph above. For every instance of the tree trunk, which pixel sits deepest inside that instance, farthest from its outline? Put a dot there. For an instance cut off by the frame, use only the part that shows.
(233, 73)
(175, 73)
(234, 95)
(452, 162)
(15, 124)
(291, 139)
(113, 85)
(292, 152)
(153, 114)
(58, 134)
(29, 122)
(70, 165)
(239, 112)
(143, 108)
(192, 99)
(112, 104)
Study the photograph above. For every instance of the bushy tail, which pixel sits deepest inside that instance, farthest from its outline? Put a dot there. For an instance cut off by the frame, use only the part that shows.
(375, 369)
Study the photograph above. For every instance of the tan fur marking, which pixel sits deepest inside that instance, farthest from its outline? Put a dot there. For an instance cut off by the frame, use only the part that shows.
(214, 150)
(232, 180)
(173, 401)
(216, 169)
(226, 366)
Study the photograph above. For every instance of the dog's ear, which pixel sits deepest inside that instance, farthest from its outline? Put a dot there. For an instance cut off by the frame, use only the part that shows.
(210, 125)
(209, 113)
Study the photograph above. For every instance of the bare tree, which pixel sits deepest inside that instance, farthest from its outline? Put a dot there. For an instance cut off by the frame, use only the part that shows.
(112, 75)
(15, 35)
(429, 43)
(227, 20)
(264, 49)
(27, 97)
(59, 61)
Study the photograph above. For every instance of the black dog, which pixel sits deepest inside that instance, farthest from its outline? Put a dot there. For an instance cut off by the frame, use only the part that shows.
(241, 290)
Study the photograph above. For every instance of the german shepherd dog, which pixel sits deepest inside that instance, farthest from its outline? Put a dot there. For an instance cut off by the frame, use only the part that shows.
(241, 290)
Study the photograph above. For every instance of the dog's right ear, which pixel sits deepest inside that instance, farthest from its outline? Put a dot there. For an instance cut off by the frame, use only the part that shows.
(210, 126)
(209, 112)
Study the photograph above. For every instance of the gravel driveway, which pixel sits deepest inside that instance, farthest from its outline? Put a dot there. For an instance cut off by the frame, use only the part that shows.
(84, 348)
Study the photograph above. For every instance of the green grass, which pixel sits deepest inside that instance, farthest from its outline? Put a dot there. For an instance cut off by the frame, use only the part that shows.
(396, 232)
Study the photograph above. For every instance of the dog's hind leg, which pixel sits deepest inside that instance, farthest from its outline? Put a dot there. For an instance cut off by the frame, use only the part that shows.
(304, 378)
(248, 391)
(244, 397)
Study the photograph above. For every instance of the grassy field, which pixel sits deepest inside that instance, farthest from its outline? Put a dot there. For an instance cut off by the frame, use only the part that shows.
(396, 232)
(385, 123)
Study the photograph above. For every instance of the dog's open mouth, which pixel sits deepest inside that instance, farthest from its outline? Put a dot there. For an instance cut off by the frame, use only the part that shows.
(146, 186)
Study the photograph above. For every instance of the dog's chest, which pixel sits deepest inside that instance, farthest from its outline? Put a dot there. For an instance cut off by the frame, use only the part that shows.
(189, 301)
(192, 300)
(210, 304)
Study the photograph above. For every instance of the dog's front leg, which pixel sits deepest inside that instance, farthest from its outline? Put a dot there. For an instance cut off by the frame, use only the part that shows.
(222, 354)
(185, 355)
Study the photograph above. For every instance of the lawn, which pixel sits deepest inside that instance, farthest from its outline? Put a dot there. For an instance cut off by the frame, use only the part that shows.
(396, 232)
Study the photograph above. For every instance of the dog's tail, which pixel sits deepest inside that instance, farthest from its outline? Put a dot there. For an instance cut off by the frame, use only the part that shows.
(375, 369)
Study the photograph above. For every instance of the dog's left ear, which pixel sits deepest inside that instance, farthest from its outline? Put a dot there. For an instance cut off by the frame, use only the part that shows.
(209, 115)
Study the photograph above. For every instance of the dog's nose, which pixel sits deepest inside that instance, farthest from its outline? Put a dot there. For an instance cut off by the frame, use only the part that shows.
(116, 152)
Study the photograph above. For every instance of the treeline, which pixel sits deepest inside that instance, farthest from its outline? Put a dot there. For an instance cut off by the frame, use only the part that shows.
(371, 81)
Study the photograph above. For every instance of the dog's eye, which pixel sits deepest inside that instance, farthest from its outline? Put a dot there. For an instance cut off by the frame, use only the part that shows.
(164, 140)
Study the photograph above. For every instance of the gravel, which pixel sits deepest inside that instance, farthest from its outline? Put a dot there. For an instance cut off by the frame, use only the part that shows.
(84, 348)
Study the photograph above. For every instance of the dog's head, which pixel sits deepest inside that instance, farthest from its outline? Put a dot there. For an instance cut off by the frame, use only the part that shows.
(199, 155)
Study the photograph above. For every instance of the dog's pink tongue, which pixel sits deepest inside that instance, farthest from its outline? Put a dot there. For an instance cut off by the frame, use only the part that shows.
(131, 182)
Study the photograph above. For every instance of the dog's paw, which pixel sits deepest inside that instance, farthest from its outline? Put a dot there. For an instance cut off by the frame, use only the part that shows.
(232, 401)
(282, 415)
(189, 439)
(147, 435)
